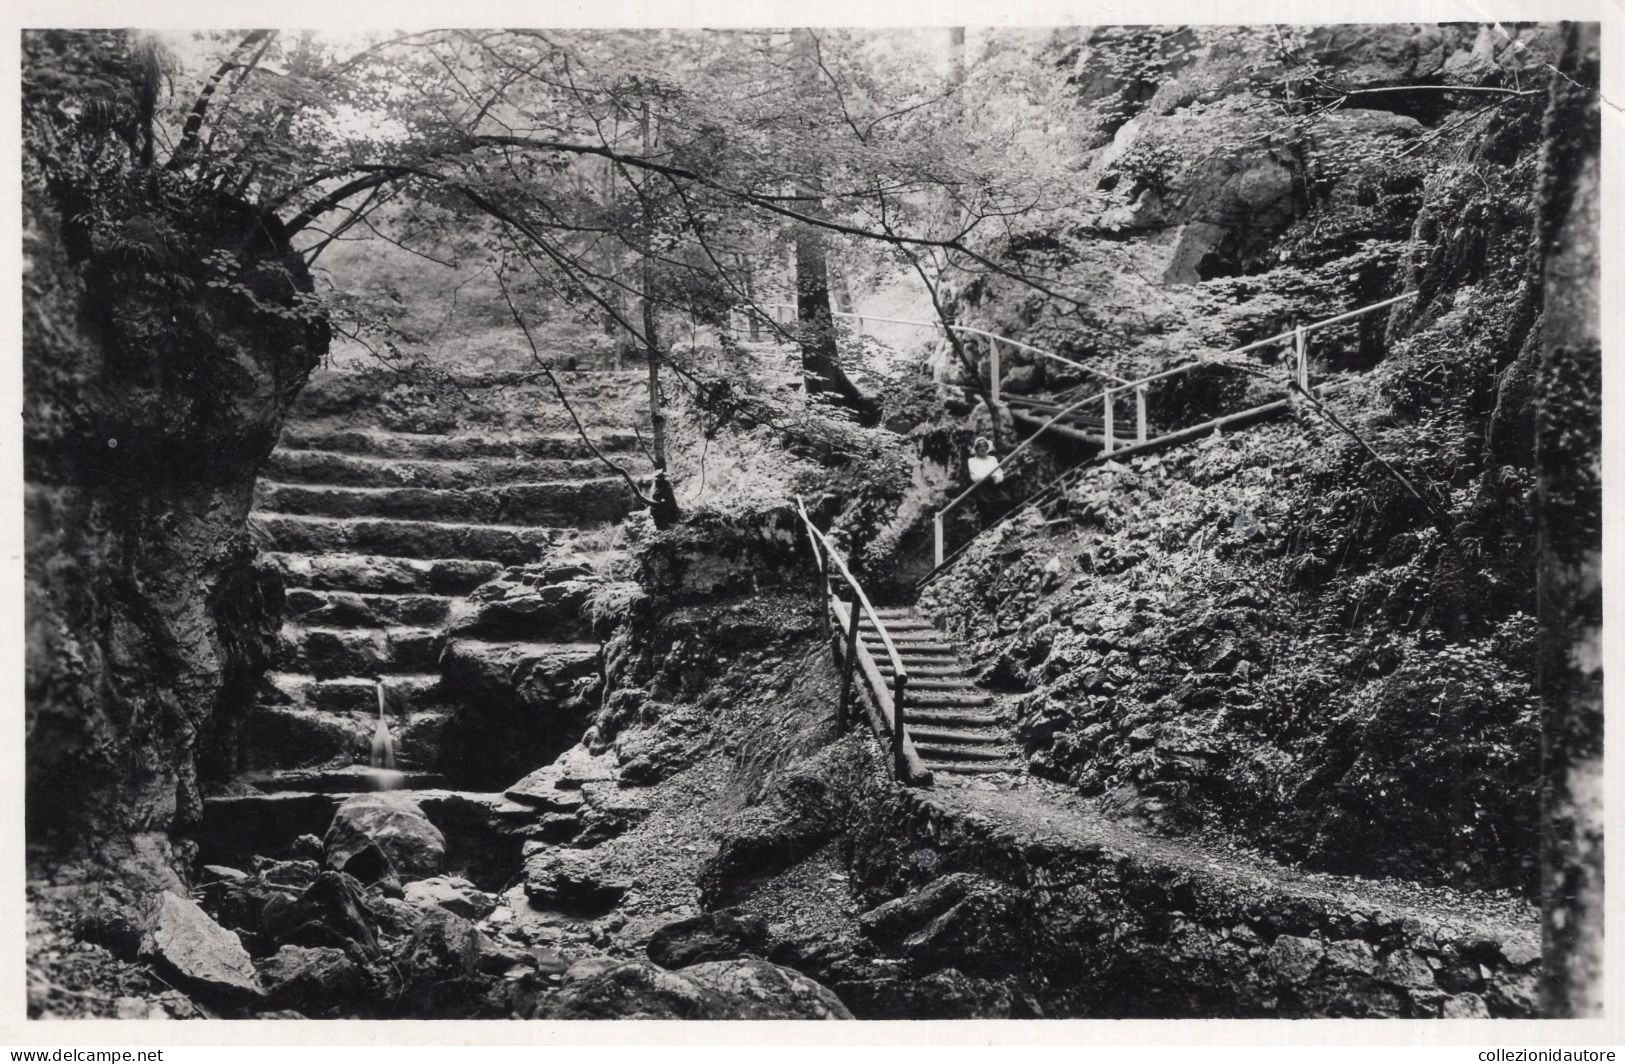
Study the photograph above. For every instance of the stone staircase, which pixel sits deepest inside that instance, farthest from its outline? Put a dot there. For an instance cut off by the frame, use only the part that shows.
(380, 534)
(959, 729)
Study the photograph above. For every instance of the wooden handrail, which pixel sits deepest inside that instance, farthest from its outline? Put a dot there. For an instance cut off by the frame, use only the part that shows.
(1296, 334)
(889, 704)
(995, 337)
(829, 555)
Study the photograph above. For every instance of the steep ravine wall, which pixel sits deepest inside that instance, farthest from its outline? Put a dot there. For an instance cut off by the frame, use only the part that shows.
(1092, 922)
(141, 442)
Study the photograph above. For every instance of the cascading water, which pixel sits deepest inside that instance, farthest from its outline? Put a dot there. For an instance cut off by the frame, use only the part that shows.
(385, 776)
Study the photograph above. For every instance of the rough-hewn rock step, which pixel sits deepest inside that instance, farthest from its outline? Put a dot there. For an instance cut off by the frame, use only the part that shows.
(938, 750)
(410, 445)
(299, 737)
(484, 831)
(347, 609)
(381, 574)
(351, 693)
(348, 779)
(539, 673)
(330, 652)
(510, 544)
(368, 471)
(569, 502)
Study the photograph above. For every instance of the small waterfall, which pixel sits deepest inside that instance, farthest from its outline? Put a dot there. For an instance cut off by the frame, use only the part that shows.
(385, 776)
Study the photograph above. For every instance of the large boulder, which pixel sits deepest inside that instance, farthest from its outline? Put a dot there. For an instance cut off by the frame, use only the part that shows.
(961, 920)
(520, 704)
(313, 979)
(577, 881)
(332, 911)
(716, 936)
(767, 991)
(190, 948)
(439, 963)
(719, 990)
(452, 893)
(943, 995)
(393, 823)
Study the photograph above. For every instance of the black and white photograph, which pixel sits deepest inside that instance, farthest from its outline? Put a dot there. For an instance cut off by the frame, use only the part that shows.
(1009, 521)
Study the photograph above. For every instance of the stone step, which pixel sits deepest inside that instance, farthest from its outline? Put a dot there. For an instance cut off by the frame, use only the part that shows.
(413, 445)
(290, 466)
(566, 503)
(509, 544)
(333, 652)
(347, 609)
(971, 768)
(283, 737)
(374, 574)
(347, 779)
(350, 694)
(937, 734)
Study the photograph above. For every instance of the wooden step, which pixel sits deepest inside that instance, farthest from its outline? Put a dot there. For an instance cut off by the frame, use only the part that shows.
(949, 698)
(916, 682)
(971, 768)
(936, 750)
(925, 733)
(946, 672)
(959, 718)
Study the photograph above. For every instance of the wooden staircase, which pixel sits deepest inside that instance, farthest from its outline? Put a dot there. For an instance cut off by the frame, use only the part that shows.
(956, 726)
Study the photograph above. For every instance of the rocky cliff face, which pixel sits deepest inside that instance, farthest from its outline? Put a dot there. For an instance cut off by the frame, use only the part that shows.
(154, 387)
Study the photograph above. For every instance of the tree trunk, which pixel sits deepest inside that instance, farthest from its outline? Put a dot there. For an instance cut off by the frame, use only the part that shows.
(664, 509)
(1568, 439)
(821, 369)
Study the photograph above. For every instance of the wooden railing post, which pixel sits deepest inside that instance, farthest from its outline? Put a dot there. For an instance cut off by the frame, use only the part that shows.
(1106, 398)
(849, 661)
(993, 374)
(1139, 414)
(1300, 343)
(936, 534)
(899, 722)
(824, 589)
